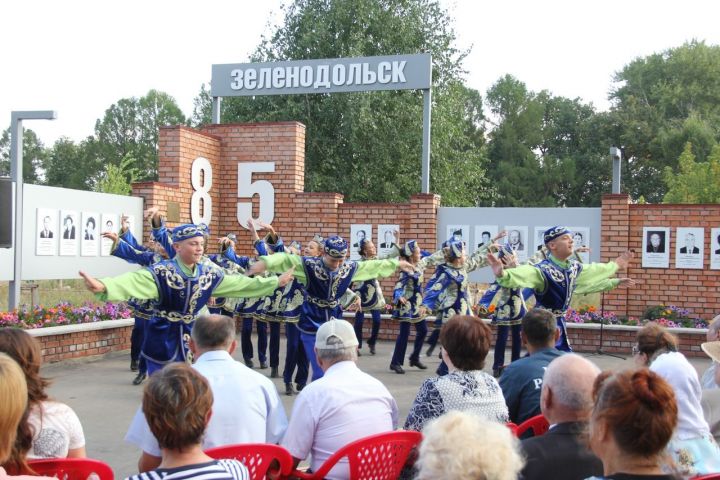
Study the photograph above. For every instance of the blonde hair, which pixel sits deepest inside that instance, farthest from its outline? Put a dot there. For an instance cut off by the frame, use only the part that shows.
(455, 446)
(13, 398)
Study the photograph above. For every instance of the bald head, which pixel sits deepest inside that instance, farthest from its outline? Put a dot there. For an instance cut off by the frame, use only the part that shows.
(567, 388)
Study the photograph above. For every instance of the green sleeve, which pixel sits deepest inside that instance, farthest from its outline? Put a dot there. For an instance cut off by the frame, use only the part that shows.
(138, 284)
(593, 273)
(432, 261)
(522, 276)
(477, 260)
(280, 262)
(246, 287)
(370, 269)
(601, 286)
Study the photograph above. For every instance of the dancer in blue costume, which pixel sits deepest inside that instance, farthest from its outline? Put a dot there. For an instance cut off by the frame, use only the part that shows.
(371, 296)
(326, 279)
(126, 247)
(407, 299)
(555, 279)
(180, 287)
(446, 292)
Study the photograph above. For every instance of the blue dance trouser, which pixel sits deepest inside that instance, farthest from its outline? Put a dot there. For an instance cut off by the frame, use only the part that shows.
(563, 343)
(501, 343)
(308, 343)
(136, 338)
(295, 356)
(274, 342)
(398, 357)
(435, 334)
(246, 340)
(360, 319)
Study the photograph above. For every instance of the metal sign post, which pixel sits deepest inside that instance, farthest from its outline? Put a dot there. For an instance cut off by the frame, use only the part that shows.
(335, 75)
(16, 172)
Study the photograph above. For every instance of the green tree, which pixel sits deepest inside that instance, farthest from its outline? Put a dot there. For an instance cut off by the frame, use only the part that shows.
(546, 150)
(696, 182)
(72, 165)
(117, 179)
(368, 146)
(661, 102)
(131, 126)
(34, 154)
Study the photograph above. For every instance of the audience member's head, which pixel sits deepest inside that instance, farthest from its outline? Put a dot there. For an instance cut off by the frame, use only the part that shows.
(653, 340)
(633, 420)
(213, 332)
(465, 340)
(25, 350)
(455, 446)
(567, 389)
(335, 342)
(539, 329)
(177, 402)
(13, 398)
(713, 332)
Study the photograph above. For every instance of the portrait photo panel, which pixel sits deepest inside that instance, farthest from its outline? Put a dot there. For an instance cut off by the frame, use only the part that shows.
(715, 248)
(69, 232)
(387, 239)
(689, 247)
(109, 222)
(656, 247)
(47, 232)
(89, 239)
(484, 235)
(358, 232)
(458, 233)
(517, 239)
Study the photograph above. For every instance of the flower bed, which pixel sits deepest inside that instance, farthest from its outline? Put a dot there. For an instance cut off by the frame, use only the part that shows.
(63, 314)
(669, 316)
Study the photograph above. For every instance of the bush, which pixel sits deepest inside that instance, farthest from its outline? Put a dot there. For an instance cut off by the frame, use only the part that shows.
(62, 314)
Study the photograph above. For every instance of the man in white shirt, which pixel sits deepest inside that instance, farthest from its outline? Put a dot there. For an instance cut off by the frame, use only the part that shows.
(710, 377)
(343, 406)
(246, 406)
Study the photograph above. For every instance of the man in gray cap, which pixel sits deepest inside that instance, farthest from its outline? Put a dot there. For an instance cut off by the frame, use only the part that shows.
(344, 405)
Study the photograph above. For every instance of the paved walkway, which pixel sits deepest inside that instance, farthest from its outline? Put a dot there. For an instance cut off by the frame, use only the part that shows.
(101, 393)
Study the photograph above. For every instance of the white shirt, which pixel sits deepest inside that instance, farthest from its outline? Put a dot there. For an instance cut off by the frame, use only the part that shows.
(683, 378)
(341, 407)
(56, 430)
(708, 378)
(246, 407)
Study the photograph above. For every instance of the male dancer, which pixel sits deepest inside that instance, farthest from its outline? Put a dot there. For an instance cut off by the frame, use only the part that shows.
(181, 287)
(555, 279)
(326, 279)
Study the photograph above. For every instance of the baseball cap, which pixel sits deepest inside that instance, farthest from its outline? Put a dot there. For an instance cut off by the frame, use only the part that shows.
(339, 329)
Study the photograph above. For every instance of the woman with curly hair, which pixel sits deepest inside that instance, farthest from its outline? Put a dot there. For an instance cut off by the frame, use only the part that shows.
(54, 428)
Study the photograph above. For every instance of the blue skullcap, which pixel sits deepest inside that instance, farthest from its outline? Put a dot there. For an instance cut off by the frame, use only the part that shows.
(204, 228)
(189, 230)
(336, 247)
(456, 249)
(555, 232)
(409, 248)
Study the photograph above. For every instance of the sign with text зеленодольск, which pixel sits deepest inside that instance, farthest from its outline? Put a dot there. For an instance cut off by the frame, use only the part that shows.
(361, 74)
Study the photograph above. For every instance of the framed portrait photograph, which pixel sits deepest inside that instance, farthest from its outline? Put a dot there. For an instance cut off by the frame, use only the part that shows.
(387, 239)
(358, 232)
(47, 232)
(69, 232)
(517, 239)
(484, 235)
(689, 247)
(656, 247)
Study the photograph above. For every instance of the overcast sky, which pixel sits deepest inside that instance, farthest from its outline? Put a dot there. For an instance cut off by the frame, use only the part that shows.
(79, 57)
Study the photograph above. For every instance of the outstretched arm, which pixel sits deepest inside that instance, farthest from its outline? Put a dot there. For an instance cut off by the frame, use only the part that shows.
(139, 284)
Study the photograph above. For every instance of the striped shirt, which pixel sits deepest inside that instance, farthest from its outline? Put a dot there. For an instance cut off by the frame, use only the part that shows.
(215, 470)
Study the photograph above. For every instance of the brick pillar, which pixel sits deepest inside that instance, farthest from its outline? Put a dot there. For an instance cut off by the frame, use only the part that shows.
(615, 227)
(423, 219)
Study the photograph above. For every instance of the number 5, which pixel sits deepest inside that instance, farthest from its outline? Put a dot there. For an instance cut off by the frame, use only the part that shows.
(248, 189)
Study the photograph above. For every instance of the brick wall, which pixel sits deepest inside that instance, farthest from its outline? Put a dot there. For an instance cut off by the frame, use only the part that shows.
(84, 343)
(622, 228)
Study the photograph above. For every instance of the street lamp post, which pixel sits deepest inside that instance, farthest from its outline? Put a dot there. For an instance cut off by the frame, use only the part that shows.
(616, 155)
(16, 172)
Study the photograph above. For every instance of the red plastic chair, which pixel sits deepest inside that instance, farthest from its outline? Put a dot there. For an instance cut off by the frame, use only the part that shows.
(72, 468)
(257, 457)
(538, 424)
(377, 457)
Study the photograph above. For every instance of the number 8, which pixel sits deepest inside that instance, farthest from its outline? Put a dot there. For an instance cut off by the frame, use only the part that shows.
(201, 184)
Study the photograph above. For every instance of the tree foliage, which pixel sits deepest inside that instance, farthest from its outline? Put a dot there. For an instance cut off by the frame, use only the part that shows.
(117, 179)
(661, 102)
(34, 154)
(368, 145)
(130, 128)
(696, 182)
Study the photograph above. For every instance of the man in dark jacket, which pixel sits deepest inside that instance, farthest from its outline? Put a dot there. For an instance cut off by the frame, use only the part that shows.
(566, 402)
